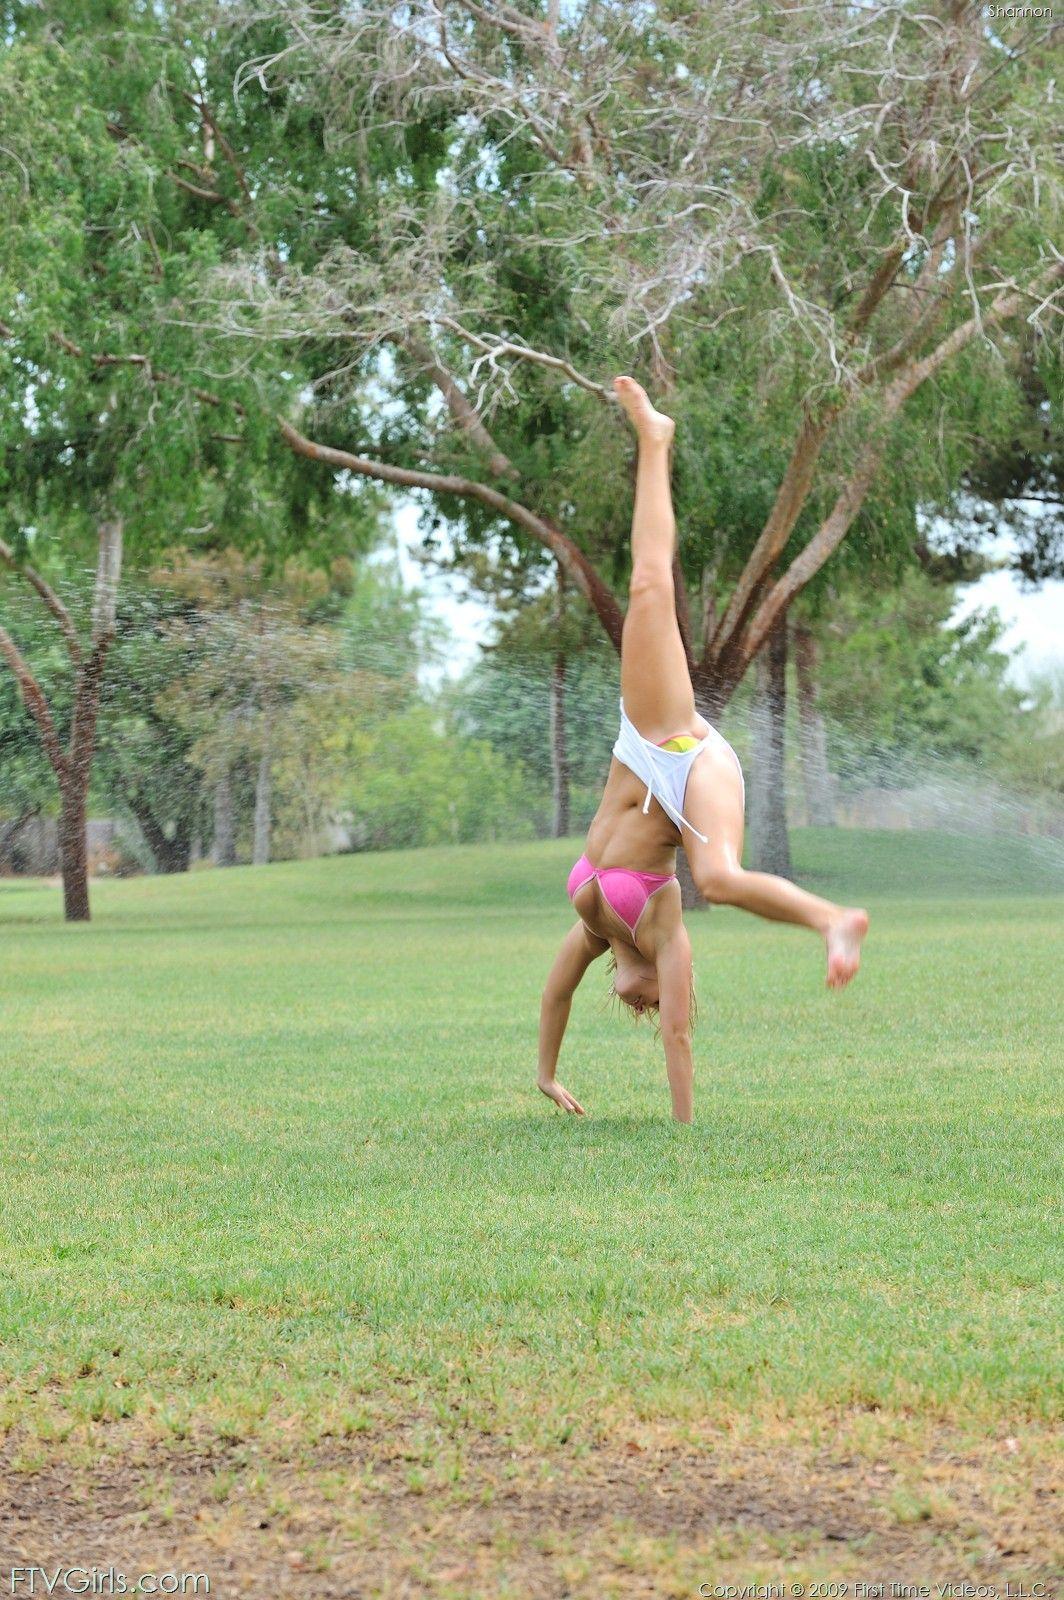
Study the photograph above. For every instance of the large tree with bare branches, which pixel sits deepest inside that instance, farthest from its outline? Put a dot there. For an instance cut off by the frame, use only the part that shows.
(829, 220)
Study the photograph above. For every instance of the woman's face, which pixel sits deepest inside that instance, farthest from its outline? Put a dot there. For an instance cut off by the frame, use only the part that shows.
(635, 981)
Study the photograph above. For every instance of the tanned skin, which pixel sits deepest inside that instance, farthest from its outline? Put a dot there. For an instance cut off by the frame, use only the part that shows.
(653, 965)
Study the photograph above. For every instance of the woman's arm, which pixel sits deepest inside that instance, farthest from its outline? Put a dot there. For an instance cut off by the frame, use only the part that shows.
(579, 949)
(674, 1012)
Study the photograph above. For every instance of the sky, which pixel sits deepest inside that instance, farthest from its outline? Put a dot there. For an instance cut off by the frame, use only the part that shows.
(468, 621)
(1034, 618)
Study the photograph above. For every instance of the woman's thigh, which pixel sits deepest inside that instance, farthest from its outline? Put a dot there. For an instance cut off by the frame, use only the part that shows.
(655, 682)
(714, 804)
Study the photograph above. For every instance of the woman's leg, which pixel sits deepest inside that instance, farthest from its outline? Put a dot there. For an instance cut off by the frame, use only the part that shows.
(655, 682)
(714, 803)
(659, 698)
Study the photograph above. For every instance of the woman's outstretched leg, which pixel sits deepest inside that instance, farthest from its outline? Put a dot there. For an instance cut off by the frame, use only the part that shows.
(655, 682)
(715, 805)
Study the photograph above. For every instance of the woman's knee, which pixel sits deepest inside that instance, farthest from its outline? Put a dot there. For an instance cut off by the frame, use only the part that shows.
(719, 882)
(651, 580)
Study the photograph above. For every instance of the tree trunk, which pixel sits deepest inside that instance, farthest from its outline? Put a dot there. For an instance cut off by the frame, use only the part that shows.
(73, 849)
(559, 753)
(10, 831)
(812, 738)
(769, 845)
(224, 821)
(174, 855)
(77, 769)
(73, 766)
(712, 691)
(260, 850)
(169, 855)
(690, 898)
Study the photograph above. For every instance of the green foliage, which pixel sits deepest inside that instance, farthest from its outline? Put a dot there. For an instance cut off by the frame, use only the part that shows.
(898, 680)
(505, 699)
(105, 365)
(728, 274)
(262, 678)
(415, 782)
(1015, 484)
(27, 782)
(1032, 746)
(388, 630)
(144, 766)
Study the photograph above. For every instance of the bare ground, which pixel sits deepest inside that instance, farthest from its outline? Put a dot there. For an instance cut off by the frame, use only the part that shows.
(411, 1513)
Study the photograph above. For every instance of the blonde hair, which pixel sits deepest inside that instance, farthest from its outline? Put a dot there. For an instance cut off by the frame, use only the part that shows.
(614, 1001)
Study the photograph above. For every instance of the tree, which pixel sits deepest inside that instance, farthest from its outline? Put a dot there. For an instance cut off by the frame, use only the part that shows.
(258, 647)
(540, 641)
(80, 461)
(901, 684)
(71, 757)
(477, 212)
(27, 784)
(1016, 485)
(414, 783)
(829, 244)
(1031, 751)
(546, 690)
(144, 757)
(105, 441)
(812, 734)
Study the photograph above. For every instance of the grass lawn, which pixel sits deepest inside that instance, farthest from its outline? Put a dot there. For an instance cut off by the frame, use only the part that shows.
(282, 1210)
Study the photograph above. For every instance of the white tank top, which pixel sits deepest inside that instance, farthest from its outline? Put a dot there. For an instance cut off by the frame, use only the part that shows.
(665, 772)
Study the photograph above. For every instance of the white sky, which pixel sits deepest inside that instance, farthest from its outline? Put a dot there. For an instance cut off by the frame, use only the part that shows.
(467, 620)
(1034, 618)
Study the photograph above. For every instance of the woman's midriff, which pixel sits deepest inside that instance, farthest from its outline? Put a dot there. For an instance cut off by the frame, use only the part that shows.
(621, 835)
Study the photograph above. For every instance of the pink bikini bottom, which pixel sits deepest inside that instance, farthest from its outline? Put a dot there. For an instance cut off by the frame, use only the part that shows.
(626, 892)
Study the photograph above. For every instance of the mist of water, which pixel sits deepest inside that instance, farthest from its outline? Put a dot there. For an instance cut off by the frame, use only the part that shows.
(231, 660)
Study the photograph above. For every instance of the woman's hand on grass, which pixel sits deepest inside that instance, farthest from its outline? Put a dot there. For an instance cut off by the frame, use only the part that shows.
(560, 1095)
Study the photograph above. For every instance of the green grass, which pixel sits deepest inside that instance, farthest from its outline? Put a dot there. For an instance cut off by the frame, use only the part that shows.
(271, 1150)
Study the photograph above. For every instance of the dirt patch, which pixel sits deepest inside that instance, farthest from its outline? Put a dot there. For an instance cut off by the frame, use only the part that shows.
(416, 1513)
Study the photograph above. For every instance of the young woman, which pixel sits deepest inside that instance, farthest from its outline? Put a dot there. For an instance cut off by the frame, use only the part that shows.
(673, 779)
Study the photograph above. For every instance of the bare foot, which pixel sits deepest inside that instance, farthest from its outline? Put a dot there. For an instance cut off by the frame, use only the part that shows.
(844, 946)
(648, 423)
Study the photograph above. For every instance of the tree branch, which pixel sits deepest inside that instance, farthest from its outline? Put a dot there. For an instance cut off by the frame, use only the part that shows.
(883, 277)
(86, 710)
(786, 509)
(568, 554)
(200, 193)
(223, 143)
(837, 524)
(461, 408)
(50, 598)
(108, 575)
(35, 702)
(506, 347)
(797, 479)
(155, 374)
